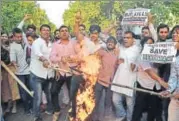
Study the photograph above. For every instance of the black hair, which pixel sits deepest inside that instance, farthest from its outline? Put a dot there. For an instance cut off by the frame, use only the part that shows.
(174, 28)
(95, 28)
(45, 25)
(82, 25)
(4, 32)
(16, 30)
(113, 39)
(31, 35)
(162, 26)
(145, 27)
(130, 32)
(32, 27)
(144, 40)
(56, 31)
(120, 28)
(63, 26)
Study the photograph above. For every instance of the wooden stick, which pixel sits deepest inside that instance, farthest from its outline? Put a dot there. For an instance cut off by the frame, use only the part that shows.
(17, 79)
(66, 71)
(115, 84)
(62, 70)
(138, 89)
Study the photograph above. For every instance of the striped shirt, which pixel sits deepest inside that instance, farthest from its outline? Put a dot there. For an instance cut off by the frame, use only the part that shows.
(18, 55)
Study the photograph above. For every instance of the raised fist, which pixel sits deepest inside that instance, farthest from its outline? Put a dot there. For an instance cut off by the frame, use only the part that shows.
(150, 18)
(78, 17)
(27, 16)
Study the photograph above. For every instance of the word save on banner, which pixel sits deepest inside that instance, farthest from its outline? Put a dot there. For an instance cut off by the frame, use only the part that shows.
(136, 16)
(163, 52)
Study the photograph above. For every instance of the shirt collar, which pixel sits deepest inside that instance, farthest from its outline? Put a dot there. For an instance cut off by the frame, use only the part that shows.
(59, 41)
(49, 43)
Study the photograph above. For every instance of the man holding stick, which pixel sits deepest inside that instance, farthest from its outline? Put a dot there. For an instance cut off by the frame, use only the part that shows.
(173, 109)
(40, 75)
(18, 59)
(61, 54)
(147, 79)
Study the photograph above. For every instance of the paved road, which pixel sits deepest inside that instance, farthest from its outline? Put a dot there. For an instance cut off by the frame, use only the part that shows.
(20, 116)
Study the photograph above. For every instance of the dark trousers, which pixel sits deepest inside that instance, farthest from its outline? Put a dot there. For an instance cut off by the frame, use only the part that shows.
(146, 102)
(158, 101)
(38, 85)
(56, 87)
(165, 104)
(75, 85)
(107, 100)
(26, 98)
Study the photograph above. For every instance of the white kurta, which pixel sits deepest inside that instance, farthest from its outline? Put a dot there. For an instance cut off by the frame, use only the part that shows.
(124, 75)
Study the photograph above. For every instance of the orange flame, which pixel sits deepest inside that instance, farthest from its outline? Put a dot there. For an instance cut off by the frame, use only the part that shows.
(85, 96)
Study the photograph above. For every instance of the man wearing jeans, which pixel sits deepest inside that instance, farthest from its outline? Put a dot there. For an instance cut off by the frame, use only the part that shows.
(18, 59)
(40, 74)
(125, 76)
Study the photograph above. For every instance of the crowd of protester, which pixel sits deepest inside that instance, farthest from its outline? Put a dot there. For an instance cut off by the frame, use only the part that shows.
(29, 56)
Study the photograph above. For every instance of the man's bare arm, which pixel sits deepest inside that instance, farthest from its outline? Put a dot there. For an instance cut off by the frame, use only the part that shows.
(154, 76)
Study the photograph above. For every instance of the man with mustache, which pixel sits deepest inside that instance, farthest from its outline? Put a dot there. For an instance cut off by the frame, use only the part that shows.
(62, 49)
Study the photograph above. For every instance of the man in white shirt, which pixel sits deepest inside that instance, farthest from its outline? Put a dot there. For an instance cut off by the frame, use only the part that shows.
(125, 76)
(41, 75)
(18, 59)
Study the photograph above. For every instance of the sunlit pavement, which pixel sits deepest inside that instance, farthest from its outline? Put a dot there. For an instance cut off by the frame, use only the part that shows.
(20, 116)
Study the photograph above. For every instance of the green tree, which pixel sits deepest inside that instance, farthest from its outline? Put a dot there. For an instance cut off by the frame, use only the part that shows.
(105, 12)
(93, 12)
(13, 13)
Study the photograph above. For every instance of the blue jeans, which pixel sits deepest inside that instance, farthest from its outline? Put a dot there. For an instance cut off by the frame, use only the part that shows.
(2, 119)
(26, 98)
(121, 112)
(107, 101)
(38, 85)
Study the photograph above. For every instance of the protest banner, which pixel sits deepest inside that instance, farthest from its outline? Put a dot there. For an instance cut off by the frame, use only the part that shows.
(136, 16)
(163, 52)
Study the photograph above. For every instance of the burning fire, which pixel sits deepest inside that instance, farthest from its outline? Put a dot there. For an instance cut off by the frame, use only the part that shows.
(85, 96)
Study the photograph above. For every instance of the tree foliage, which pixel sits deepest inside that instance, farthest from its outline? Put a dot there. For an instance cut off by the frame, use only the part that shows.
(105, 12)
(93, 12)
(13, 12)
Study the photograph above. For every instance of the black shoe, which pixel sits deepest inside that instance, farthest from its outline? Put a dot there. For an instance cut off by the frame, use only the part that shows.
(28, 112)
